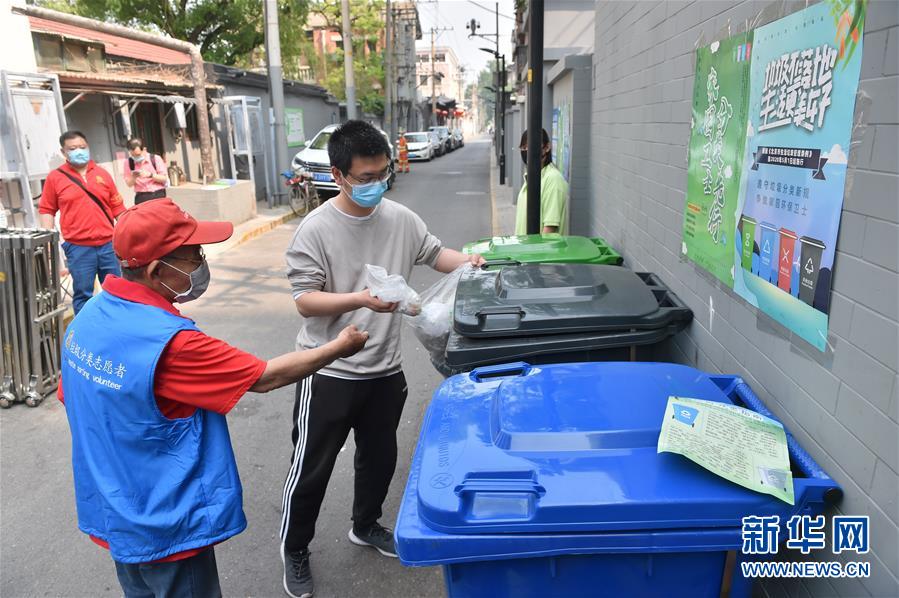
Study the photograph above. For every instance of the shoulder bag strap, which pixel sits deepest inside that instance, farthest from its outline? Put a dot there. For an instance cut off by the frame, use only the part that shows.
(89, 194)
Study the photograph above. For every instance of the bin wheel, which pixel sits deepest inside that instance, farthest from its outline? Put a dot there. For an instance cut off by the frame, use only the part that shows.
(33, 400)
(5, 403)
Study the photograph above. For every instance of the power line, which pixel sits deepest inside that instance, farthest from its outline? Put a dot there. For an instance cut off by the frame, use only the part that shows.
(490, 10)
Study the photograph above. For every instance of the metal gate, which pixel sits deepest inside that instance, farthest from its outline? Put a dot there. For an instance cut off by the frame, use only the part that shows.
(30, 315)
(245, 125)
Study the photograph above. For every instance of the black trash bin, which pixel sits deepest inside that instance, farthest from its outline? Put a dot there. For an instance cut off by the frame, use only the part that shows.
(554, 313)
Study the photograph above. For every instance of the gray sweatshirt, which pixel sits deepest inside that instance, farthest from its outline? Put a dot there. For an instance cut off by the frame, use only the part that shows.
(328, 253)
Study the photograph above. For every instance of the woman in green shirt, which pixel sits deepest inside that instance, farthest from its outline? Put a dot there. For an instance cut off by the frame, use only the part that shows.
(553, 193)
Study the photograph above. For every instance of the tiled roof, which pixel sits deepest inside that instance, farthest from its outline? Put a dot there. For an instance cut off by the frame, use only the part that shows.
(115, 45)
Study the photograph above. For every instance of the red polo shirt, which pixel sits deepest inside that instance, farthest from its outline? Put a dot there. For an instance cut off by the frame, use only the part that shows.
(195, 371)
(82, 222)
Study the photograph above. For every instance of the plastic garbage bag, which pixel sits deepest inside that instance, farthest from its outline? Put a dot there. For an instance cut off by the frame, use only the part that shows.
(393, 288)
(432, 326)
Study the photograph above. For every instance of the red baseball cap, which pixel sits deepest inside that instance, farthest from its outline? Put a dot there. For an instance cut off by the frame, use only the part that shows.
(154, 229)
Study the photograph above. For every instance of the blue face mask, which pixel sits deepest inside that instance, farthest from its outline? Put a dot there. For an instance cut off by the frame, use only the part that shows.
(79, 157)
(368, 195)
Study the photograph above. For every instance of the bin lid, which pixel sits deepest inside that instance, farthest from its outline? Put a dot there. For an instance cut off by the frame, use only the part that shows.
(552, 298)
(570, 448)
(546, 248)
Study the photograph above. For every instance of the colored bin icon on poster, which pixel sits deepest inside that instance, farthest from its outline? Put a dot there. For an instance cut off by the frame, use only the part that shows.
(684, 414)
(809, 266)
(785, 264)
(748, 242)
(768, 253)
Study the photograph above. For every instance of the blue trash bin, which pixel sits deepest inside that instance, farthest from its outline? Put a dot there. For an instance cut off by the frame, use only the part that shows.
(545, 481)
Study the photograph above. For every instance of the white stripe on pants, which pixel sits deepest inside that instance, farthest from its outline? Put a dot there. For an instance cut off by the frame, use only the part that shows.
(299, 450)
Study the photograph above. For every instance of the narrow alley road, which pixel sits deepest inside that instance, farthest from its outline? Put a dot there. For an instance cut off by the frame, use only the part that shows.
(249, 305)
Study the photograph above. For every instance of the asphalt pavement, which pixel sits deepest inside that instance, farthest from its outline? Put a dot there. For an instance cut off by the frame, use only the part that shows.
(248, 304)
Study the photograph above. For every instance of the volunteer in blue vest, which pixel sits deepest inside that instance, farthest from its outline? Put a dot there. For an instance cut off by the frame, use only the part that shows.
(146, 394)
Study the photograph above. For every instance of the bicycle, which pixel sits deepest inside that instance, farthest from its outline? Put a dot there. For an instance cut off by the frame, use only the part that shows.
(303, 196)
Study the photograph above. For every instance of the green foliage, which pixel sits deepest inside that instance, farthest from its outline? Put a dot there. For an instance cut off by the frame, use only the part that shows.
(367, 25)
(227, 31)
(849, 17)
(487, 98)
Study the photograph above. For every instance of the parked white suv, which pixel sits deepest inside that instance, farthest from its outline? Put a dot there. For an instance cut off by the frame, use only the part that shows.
(314, 158)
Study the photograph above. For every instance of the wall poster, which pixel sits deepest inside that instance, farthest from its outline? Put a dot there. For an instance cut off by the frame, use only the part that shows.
(293, 125)
(717, 147)
(561, 139)
(803, 78)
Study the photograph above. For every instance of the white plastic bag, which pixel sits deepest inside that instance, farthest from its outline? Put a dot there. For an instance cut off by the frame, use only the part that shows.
(392, 288)
(432, 326)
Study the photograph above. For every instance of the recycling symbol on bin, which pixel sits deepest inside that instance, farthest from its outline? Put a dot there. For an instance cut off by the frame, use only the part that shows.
(441, 481)
(767, 248)
(809, 266)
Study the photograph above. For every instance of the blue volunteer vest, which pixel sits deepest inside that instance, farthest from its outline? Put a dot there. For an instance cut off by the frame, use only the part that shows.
(148, 485)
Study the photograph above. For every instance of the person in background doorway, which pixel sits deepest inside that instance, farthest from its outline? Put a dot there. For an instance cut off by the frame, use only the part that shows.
(145, 172)
(403, 151)
(553, 193)
(87, 200)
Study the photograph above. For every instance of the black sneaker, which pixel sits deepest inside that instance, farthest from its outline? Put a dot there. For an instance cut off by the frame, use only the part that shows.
(377, 536)
(297, 575)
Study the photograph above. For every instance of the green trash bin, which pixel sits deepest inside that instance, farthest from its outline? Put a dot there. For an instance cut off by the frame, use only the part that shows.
(546, 249)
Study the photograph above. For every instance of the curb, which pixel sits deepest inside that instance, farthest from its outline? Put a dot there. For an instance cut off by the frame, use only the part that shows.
(253, 233)
(246, 236)
(494, 214)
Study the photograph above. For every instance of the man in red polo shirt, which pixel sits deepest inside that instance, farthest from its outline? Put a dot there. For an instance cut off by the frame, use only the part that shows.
(88, 201)
(116, 437)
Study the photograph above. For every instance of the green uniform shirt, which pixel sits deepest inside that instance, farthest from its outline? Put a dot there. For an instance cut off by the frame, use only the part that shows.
(553, 202)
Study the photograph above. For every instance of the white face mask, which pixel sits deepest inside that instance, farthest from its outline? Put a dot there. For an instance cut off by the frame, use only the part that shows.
(199, 282)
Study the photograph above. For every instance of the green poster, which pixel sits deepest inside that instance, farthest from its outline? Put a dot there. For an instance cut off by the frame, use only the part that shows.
(293, 121)
(717, 145)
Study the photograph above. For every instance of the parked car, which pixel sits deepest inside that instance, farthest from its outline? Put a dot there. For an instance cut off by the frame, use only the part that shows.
(437, 146)
(458, 137)
(314, 158)
(445, 138)
(422, 145)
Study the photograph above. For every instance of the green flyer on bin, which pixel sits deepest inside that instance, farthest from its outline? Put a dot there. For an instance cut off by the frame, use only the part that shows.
(716, 155)
(737, 444)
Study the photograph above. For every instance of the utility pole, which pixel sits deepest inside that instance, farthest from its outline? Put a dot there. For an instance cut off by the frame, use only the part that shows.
(502, 107)
(499, 103)
(535, 113)
(276, 88)
(433, 79)
(348, 61)
(390, 79)
(434, 31)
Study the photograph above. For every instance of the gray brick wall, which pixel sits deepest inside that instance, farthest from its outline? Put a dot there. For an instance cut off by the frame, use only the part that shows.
(842, 405)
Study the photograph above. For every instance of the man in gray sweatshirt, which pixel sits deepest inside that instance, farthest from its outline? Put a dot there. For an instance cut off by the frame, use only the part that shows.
(366, 392)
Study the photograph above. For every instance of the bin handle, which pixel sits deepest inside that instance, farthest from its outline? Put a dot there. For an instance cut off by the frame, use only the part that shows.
(518, 368)
(805, 461)
(498, 485)
(500, 262)
(500, 310)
